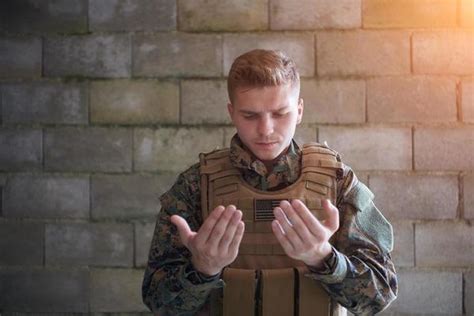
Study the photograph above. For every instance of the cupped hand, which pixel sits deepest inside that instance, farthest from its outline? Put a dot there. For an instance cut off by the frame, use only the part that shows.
(216, 243)
(302, 236)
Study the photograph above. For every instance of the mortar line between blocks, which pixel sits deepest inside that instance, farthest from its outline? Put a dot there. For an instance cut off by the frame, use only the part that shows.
(134, 252)
(414, 244)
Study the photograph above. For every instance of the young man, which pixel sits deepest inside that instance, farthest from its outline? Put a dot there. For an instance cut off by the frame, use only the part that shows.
(266, 224)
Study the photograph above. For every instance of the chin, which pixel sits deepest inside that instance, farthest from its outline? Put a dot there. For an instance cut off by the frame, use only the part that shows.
(266, 156)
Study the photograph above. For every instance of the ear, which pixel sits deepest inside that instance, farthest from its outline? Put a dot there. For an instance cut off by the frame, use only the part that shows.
(230, 109)
(300, 110)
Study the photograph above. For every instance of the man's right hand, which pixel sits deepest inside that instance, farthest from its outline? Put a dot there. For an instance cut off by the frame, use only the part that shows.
(216, 244)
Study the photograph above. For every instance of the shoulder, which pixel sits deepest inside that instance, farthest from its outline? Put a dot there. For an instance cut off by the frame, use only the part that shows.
(190, 176)
(321, 148)
(184, 194)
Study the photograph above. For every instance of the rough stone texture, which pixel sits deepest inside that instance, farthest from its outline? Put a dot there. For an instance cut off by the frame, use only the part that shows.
(132, 15)
(118, 138)
(409, 13)
(177, 54)
(469, 293)
(428, 293)
(45, 196)
(310, 14)
(20, 149)
(134, 102)
(305, 134)
(44, 290)
(229, 132)
(363, 176)
(467, 99)
(467, 13)
(92, 149)
(20, 57)
(468, 195)
(128, 196)
(443, 52)
(204, 102)
(403, 254)
(333, 101)
(416, 196)
(300, 47)
(88, 56)
(370, 148)
(45, 102)
(89, 244)
(32, 16)
(3, 179)
(21, 243)
(453, 148)
(116, 290)
(411, 99)
(171, 149)
(363, 53)
(444, 244)
(143, 237)
(223, 15)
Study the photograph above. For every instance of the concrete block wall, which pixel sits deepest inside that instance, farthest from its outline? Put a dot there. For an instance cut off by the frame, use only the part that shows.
(103, 102)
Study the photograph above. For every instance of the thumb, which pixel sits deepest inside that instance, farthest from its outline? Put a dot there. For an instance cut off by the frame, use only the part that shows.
(331, 219)
(184, 231)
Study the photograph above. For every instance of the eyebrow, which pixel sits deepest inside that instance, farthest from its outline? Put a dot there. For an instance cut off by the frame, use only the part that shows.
(253, 112)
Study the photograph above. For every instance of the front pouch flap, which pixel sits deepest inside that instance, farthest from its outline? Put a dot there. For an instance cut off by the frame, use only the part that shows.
(278, 292)
(313, 299)
(239, 292)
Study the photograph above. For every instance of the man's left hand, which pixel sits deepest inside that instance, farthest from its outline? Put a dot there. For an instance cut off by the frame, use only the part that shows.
(302, 236)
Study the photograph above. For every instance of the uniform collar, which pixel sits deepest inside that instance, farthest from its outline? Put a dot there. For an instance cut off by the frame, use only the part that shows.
(286, 167)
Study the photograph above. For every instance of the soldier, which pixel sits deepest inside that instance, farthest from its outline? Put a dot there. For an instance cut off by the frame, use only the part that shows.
(267, 227)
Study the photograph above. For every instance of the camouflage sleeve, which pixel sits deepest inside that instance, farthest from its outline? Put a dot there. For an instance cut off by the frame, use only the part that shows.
(171, 285)
(362, 276)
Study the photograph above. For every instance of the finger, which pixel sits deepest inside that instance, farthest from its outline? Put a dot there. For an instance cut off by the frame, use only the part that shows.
(184, 231)
(331, 220)
(220, 227)
(230, 231)
(312, 223)
(239, 233)
(281, 237)
(295, 219)
(290, 233)
(206, 228)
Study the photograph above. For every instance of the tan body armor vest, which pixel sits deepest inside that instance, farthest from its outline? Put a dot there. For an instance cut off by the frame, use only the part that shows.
(263, 280)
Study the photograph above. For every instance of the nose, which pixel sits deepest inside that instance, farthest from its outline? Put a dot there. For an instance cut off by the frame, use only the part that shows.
(265, 125)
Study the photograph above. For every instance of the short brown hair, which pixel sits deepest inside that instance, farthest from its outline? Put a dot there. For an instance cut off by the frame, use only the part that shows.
(261, 68)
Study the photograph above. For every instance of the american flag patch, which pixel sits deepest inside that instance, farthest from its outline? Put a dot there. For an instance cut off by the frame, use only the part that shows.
(264, 209)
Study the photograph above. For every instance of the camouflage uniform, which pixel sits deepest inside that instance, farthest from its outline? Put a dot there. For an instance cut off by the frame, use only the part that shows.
(360, 274)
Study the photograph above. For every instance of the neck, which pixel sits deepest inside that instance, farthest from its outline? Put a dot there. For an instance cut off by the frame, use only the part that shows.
(269, 163)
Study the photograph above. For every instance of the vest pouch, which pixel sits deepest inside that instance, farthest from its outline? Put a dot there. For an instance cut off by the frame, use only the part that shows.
(239, 292)
(277, 292)
(312, 298)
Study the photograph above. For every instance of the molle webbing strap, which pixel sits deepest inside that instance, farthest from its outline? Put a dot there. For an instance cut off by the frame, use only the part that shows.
(308, 160)
(313, 299)
(278, 292)
(239, 292)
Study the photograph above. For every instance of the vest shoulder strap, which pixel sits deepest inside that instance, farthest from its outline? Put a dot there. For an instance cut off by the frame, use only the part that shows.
(210, 164)
(214, 161)
(320, 155)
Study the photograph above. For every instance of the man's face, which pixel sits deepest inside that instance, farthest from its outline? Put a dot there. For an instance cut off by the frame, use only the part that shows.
(266, 118)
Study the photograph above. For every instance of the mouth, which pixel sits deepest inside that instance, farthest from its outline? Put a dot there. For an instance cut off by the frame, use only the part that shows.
(266, 145)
